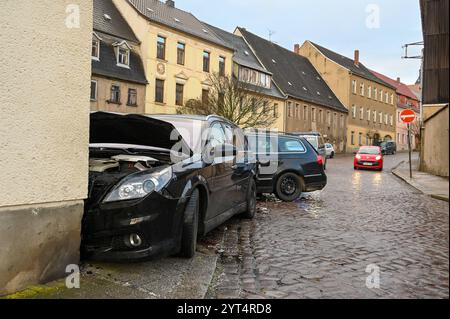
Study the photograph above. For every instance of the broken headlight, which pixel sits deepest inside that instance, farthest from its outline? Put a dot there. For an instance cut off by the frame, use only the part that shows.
(140, 185)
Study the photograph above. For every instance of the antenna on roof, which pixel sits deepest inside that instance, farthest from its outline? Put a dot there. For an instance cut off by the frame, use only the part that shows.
(271, 33)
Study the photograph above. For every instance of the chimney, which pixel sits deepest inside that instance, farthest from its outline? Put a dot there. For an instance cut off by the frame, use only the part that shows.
(297, 48)
(398, 80)
(170, 3)
(357, 57)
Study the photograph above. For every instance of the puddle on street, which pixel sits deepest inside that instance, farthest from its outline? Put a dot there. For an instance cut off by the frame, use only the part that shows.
(309, 204)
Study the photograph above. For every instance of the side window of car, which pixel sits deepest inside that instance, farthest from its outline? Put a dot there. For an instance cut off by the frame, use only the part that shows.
(291, 146)
(216, 135)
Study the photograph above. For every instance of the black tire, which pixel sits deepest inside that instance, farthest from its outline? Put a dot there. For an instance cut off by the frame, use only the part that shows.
(251, 201)
(190, 227)
(289, 187)
(332, 154)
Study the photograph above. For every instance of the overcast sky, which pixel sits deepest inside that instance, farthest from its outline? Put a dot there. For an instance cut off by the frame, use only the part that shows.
(341, 26)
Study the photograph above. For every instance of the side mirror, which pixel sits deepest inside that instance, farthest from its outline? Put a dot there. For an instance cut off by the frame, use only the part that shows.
(264, 163)
(225, 150)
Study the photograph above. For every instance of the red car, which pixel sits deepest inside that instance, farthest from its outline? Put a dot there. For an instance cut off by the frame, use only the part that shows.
(369, 157)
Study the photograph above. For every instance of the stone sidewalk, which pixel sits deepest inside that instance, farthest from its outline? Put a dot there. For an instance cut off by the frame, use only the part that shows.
(434, 186)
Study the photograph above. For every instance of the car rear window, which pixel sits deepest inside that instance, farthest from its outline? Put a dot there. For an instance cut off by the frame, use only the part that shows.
(290, 146)
(369, 150)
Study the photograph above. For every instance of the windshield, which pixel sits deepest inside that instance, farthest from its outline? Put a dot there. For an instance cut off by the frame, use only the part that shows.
(369, 150)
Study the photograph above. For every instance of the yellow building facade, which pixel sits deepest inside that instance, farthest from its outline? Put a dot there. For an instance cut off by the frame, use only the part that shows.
(178, 75)
(371, 102)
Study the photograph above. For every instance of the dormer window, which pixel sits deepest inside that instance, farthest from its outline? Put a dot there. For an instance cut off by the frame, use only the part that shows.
(95, 47)
(123, 54)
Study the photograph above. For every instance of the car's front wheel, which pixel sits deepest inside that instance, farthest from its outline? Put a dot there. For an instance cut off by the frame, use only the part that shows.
(190, 226)
(289, 187)
(251, 200)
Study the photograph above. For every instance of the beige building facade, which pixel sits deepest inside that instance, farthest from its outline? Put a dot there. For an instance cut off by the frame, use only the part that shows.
(178, 51)
(371, 102)
(44, 136)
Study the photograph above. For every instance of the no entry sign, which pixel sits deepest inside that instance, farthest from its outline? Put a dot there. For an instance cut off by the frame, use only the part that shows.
(408, 116)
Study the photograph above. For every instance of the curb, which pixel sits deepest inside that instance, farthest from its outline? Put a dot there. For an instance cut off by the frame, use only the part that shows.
(412, 184)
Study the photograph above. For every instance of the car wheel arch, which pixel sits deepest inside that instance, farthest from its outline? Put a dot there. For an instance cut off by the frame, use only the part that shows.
(296, 172)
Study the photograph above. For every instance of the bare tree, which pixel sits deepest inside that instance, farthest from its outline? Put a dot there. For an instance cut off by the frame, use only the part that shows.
(236, 101)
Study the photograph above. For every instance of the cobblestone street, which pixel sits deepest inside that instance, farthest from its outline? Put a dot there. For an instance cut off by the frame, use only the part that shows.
(321, 246)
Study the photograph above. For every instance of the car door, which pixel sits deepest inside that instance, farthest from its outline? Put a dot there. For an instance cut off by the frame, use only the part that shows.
(221, 185)
(240, 162)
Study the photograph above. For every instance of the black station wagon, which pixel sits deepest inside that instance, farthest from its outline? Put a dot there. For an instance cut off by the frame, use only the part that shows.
(288, 165)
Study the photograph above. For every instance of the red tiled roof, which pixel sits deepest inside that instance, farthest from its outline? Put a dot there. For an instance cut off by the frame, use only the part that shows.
(402, 89)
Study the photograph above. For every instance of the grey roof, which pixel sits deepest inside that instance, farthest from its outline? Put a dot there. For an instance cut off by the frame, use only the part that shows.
(117, 26)
(159, 12)
(107, 66)
(349, 64)
(243, 55)
(293, 73)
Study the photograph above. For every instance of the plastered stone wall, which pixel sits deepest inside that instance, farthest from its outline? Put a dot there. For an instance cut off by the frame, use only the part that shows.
(44, 100)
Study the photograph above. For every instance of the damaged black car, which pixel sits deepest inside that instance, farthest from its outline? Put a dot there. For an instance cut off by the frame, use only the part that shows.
(157, 183)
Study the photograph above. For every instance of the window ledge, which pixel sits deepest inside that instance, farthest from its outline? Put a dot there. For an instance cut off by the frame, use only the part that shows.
(113, 102)
(162, 60)
(132, 105)
(160, 103)
(123, 66)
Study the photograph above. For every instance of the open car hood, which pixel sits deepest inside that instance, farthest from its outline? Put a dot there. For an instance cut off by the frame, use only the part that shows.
(135, 129)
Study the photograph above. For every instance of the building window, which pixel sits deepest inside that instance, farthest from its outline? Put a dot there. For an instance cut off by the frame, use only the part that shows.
(313, 114)
(375, 93)
(354, 111)
(181, 53)
(386, 119)
(275, 110)
(123, 57)
(132, 97)
(297, 111)
(381, 117)
(368, 115)
(386, 96)
(398, 138)
(305, 112)
(115, 94)
(206, 61)
(159, 91)
(93, 90)
(320, 116)
(369, 92)
(381, 96)
(392, 99)
(362, 89)
(161, 48)
(329, 118)
(95, 49)
(342, 121)
(222, 66)
(179, 94)
(374, 116)
(361, 113)
(352, 138)
(205, 97)
(392, 120)
(354, 86)
(360, 138)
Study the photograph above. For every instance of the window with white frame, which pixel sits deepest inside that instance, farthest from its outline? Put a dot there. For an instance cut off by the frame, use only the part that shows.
(368, 115)
(354, 86)
(362, 89)
(386, 95)
(381, 117)
(94, 90)
(369, 92)
(361, 113)
(375, 93)
(392, 120)
(374, 116)
(354, 111)
(386, 119)
(381, 95)
(95, 49)
(123, 56)
(313, 114)
(392, 99)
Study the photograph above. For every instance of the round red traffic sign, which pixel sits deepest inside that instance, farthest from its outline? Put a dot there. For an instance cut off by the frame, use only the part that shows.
(408, 116)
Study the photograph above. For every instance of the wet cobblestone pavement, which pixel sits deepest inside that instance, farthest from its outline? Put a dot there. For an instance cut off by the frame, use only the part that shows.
(321, 245)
